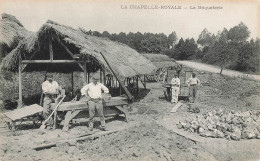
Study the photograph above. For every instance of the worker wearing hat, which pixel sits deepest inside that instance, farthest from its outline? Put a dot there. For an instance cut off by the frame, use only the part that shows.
(92, 92)
(50, 89)
(193, 83)
(175, 83)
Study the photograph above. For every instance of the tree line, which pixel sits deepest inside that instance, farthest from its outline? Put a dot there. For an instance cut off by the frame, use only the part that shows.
(227, 49)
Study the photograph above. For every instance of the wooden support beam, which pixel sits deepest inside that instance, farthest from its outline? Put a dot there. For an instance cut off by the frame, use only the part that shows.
(130, 97)
(137, 84)
(100, 72)
(50, 49)
(143, 82)
(68, 51)
(20, 101)
(49, 61)
(88, 76)
(104, 75)
(72, 83)
(85, 73)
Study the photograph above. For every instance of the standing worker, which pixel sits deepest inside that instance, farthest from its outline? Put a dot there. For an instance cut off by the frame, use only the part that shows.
(92, 92)
(50, 90)
(193, 83)
(175, 82)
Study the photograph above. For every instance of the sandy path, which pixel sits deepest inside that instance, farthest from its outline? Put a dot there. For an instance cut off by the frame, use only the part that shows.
(216, 69)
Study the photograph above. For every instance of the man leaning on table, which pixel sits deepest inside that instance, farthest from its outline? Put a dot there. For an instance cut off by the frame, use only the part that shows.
(93, 93)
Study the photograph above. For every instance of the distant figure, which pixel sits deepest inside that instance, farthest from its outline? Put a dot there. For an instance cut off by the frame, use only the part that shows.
(193, 83)
(92, 92)
(175, 82)
(50, 89)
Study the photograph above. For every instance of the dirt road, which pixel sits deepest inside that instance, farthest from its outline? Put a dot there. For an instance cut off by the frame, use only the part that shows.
(216, 69)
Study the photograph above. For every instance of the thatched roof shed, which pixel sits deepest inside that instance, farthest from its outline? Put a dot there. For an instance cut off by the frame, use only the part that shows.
(161, 61)
(11, 30)
(125, 61)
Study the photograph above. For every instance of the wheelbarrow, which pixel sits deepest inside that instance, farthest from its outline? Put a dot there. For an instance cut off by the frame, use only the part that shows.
(27, 113)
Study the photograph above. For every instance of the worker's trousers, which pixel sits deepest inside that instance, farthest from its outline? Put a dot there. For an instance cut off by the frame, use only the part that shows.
(47, 109)
(96, 106)
(192, 92)
(175, 94)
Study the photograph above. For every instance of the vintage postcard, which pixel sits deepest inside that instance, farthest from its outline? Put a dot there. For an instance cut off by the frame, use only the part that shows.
(129, 80)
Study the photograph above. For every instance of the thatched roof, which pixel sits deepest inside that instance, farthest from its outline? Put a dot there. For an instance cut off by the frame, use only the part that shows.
(11, 31)
(124, 60)
(161, 61)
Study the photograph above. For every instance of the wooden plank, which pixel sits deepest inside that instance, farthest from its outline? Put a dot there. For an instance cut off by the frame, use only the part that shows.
(175, 108)
(24, 112)
(75, 139)
(82, 105)
(49, 61)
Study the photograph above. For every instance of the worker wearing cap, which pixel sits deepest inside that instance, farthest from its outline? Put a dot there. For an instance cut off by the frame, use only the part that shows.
(193, 83)
(50, 89)
(92, 92)
(175, 83)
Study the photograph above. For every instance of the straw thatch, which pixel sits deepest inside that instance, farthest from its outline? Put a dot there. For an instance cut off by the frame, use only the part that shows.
(11, 31)
(124, 60)
(161, 61)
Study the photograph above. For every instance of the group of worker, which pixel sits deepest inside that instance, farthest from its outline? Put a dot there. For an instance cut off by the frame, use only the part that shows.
(91, 93)
(193, 82)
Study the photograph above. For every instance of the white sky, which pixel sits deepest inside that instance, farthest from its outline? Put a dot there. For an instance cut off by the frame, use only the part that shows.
(108, 16)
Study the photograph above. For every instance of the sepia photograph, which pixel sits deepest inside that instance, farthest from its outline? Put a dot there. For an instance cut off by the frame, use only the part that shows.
(108, 80)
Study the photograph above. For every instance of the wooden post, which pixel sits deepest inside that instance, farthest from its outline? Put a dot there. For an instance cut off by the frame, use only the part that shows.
(72, 83)
(104, 76)
(137, 84)
(50, 49)
(120, 90)
(100, 72)
(85, 72)
(88, 76)
(144, 82)
(20, 101)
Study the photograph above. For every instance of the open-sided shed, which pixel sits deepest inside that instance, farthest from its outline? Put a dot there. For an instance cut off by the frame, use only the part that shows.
(68, 50)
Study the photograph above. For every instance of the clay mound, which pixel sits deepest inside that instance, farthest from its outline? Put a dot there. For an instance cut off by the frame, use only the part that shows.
(144, 142)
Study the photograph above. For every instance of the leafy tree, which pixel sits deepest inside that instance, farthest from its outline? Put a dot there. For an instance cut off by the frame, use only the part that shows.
(239, 33)
(206, 39)
(224, 53)
(106, 34)
(172, 39)
(185, 49)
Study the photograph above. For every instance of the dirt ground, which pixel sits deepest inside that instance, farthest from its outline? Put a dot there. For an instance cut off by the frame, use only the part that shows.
(152, 133)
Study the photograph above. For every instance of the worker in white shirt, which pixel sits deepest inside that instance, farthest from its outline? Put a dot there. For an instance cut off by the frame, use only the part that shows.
(50, 89)
(92, 92)
(175, 83)
(193, 83)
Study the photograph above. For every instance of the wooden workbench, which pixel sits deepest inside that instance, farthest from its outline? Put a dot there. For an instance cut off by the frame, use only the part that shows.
(112, 107)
